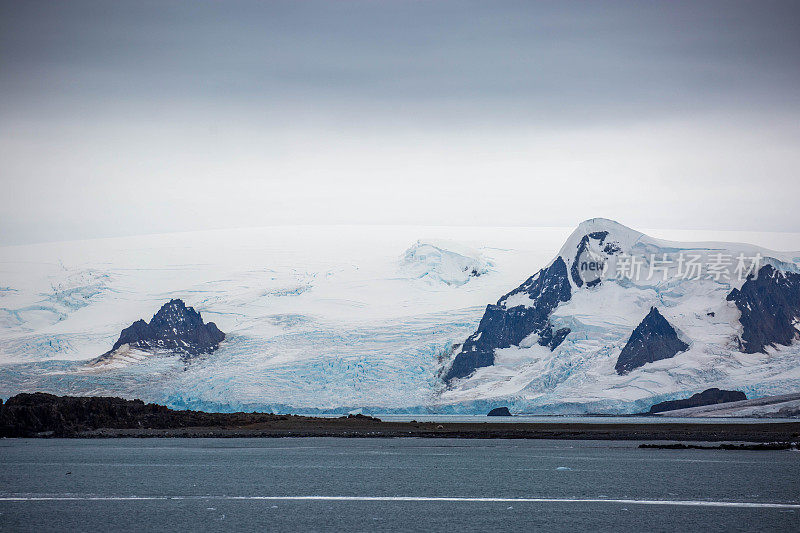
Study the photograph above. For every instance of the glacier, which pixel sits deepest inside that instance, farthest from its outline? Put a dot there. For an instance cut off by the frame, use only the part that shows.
(579, 375)
(336, 318)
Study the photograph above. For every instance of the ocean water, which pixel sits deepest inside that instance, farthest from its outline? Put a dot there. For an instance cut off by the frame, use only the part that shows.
(576, 419)
(327, 484)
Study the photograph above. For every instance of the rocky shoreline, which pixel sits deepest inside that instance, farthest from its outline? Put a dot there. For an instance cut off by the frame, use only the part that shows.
(45, 416)
(761, 446)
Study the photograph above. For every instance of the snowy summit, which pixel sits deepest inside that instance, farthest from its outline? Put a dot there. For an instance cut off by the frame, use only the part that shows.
(446, 263)
(619, 319)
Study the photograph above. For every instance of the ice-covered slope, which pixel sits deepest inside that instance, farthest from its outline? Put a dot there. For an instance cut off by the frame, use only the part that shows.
(314, 317)
(439, 262)
(331, 318)
(627, 293)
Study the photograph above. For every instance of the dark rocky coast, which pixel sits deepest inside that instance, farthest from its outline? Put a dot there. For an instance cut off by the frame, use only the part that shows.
(45, 415)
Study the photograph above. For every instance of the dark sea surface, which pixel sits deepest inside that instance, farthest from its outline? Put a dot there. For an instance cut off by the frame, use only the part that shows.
(577, 419)
(313, 484)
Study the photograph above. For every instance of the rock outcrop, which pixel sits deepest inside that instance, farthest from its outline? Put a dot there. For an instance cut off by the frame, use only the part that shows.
(40, 414)
(583, 246)
(518, 314)
(499, 411)
(770, 308)
(174, 328)
(653, 339)
(707, 397)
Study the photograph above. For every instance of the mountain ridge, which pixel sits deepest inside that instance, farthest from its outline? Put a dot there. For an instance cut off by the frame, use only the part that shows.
(698, 300)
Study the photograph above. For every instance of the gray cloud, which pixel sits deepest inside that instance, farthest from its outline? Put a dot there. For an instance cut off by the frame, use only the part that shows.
(189, 98)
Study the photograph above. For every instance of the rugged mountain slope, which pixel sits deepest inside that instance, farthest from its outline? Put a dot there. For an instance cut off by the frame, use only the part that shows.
(517, 315)
(770, 307)
(652, 340)
(175, 328)
(572, 337)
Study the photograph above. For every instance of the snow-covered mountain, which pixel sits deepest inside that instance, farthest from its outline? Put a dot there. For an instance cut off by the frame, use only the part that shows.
(340, 318)
(618, 320)
(329, 318)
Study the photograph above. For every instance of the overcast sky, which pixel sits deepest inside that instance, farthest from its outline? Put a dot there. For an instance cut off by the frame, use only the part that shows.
(121, 118)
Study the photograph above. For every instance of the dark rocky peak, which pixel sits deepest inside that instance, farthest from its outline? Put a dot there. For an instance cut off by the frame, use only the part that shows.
(770, 306)
(174, 328)
(521, 312)
(707, 397)
(653, 339)
(547, 287)
(174, 315)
